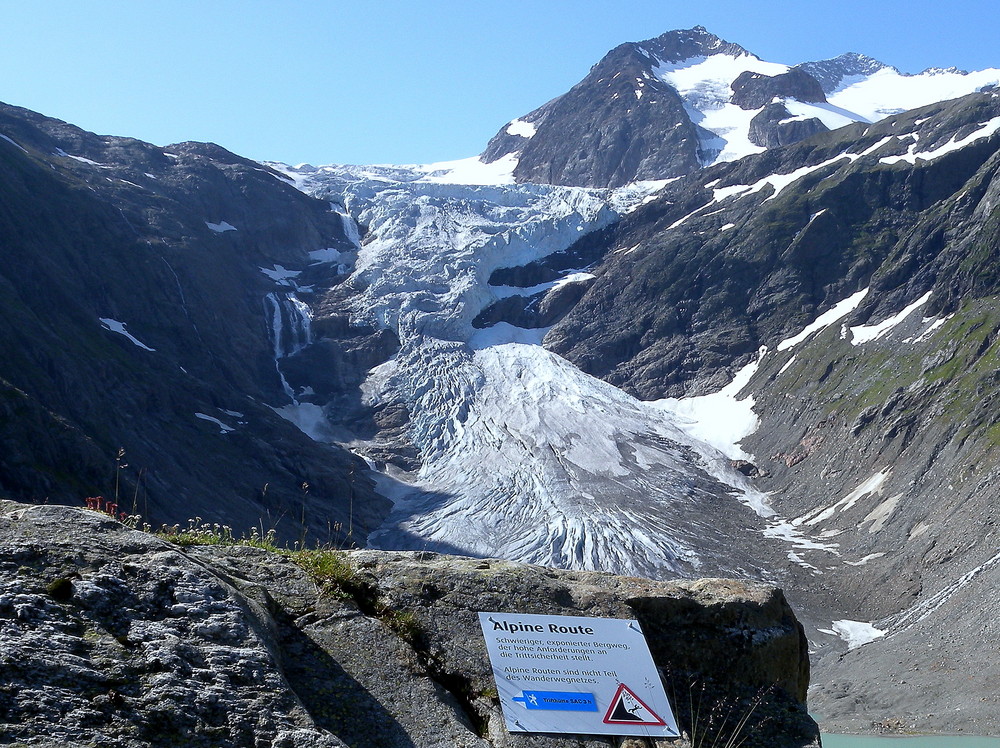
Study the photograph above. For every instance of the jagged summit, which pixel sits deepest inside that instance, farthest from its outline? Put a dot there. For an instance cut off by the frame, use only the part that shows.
(684, 44)
(835, 73)
(619, 124)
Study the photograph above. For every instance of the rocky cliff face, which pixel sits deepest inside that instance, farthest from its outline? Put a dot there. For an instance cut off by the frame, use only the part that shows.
(150, 301)
(832, 74)
(774, 126)
(113, 636)
(745, 254)
(755, 90)
(605, 131)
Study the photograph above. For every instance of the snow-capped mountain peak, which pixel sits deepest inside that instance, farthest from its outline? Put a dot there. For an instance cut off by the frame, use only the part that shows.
(688, 99)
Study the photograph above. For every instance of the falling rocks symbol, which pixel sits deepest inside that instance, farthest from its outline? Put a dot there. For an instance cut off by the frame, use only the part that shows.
(627, 708)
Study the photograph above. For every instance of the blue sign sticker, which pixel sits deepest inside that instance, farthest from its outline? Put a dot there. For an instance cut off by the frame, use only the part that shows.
(562, 701)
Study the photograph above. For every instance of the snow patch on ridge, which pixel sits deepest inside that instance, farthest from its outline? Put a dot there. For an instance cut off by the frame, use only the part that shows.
(4, 137)
(830, 115)
(719, 419)
(854, 633)
(82, 160)
(521, 128)
(935, 324)
(912, 155)
(887, 91)
(837, 312)
(872, 485)
(223, 428)
(119, 327)
(280, 275)
(866, 333)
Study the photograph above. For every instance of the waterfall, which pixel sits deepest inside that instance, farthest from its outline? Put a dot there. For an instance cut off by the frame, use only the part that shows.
(290, 329)
(290, 323)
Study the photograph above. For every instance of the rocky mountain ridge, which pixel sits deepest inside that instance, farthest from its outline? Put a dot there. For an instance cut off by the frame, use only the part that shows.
(146, 308)
(875, 432)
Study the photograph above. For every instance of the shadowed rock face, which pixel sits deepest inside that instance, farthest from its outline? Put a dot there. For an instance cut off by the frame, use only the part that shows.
(109, 634)
(139, 317)
(774, 127)
(754, 90)
(599, 134)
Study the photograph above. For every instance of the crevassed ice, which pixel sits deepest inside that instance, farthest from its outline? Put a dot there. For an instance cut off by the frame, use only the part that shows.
(522, 455)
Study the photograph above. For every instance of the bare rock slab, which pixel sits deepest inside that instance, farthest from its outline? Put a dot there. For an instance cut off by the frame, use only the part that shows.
(110, 636)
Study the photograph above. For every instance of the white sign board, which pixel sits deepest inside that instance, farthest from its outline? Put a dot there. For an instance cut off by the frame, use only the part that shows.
(591, 676)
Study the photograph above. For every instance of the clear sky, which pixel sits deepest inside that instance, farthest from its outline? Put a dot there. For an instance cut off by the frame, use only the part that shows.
(399, 81)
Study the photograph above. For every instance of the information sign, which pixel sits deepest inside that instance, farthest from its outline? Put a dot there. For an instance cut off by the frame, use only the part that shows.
(574, 674)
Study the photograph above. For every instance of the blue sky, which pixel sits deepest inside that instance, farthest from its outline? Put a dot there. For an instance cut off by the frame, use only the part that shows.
(398, 81)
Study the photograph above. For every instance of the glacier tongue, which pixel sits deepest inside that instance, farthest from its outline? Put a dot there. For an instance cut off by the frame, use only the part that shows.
(522, 455)
(540, 462)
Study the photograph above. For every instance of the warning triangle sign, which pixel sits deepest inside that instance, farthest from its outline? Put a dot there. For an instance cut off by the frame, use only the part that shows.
(628, 709)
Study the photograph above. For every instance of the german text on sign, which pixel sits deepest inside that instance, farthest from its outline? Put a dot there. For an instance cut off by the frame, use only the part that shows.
(573, 674)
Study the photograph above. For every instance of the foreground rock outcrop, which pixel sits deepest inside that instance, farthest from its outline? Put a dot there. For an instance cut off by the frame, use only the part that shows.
(111, 636)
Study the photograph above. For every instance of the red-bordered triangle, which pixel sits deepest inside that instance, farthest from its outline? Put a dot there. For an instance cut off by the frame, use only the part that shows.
(628, 709)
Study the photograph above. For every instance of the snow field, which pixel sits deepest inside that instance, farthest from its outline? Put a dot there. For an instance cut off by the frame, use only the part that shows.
(223, 428)
(887, 91)
(854, 633)
(221, 227)
(704, 83)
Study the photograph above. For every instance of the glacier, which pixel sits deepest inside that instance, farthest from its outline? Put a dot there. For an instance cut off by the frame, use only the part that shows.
(521, 454)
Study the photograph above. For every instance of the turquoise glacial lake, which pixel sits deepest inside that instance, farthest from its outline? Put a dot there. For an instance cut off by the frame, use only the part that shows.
(923, 741)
